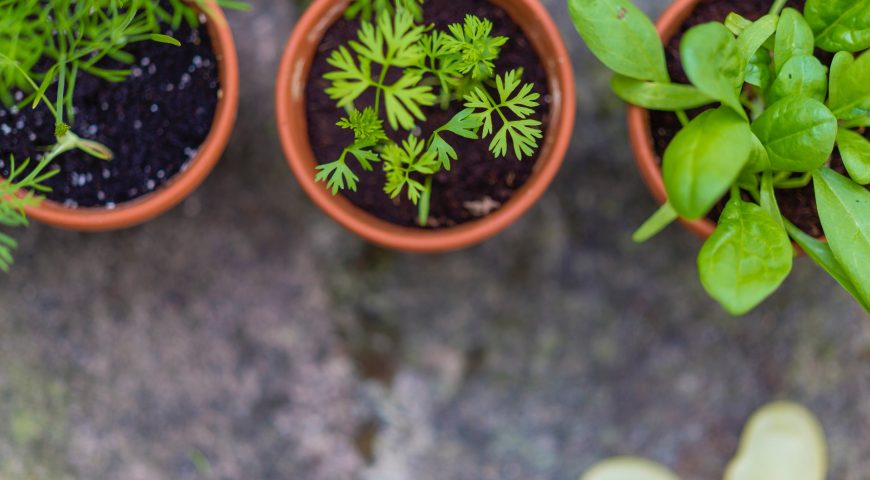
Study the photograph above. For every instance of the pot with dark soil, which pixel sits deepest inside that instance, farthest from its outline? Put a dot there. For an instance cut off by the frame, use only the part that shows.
(425, 126)
(749, 121)
(122, 108)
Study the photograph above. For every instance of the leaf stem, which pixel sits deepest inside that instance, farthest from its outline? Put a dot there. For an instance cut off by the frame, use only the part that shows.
(777, 7)
(684, 119)
(792, 183)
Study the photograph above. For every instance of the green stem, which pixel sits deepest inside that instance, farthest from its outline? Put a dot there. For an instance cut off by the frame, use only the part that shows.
(380, 86)
(423, 206)
(791, 183)
(856, 123)
(684, 119)
(777, 7)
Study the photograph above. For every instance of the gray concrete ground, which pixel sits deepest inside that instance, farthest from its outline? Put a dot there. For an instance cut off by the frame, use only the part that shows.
(246, 336)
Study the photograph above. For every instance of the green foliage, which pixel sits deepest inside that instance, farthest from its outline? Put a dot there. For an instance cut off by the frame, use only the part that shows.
(17, 192)
(746, 259)
(622, 37)
(522, 132)
(781, 113)
(427, 67)
(52, 43)
(475, 48)
(366, 9)
(44, 48)
(704, 160)
(840, 25)
(781, 441)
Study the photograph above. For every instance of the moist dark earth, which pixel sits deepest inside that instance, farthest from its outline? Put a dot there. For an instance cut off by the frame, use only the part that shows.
(154, 122)
(245, 335)
(478, 183)
(798, 205)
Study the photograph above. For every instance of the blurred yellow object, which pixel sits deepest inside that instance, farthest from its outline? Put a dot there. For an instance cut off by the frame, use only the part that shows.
(629, 468)
(782, 441)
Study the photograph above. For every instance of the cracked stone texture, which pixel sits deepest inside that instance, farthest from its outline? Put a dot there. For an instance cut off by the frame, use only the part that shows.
(246, 336)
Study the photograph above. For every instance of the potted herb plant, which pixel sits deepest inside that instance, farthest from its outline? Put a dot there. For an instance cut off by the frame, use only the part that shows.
(429, 125)
(752, 129)
(113, 111)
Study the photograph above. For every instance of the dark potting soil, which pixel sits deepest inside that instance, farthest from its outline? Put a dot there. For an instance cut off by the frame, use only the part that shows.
(798, 205)
(154, 122)
(477, 183)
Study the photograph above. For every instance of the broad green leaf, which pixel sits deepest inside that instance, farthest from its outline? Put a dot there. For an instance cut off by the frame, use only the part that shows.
(658, 96)
(793, 37)
(849, 96)
(844, 208)
(798, 133)
(758, 70)
(782, 441)
(756, 57)
(759, 160)
(756, 35)
(820, 252)
(628, 468)
(855, 150)
(656, 223)
(803, 76)
(704, 159)
(622, 37)
(746, 259)
(712, 61)
(840, 24)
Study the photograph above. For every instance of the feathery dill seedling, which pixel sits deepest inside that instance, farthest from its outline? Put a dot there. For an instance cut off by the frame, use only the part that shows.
(45, 46)
(435, 67)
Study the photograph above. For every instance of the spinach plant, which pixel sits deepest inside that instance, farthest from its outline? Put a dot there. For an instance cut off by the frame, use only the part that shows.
(45, 46)
(775, 113)
(781, 441)
(431, 67)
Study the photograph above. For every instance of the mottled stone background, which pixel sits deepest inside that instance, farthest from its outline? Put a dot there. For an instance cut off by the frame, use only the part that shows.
(246, 336)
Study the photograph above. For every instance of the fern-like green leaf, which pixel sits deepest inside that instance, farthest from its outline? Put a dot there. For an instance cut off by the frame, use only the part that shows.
(366, 8)
(350, 80)
(476, 48)
(522, 132)
(402, 163)
(337, 175)
(366, 126)
(404, 99)
(464, 124)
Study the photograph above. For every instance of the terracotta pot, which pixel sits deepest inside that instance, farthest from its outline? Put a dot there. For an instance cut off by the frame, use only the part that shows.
(639, 124)
(292, 127)
(182, 184)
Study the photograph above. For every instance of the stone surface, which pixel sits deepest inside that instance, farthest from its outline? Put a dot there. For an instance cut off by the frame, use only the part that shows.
(246, 336)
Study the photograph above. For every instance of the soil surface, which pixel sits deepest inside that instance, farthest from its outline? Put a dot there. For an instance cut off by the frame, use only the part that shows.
(477, 183)
(798, 205)
(154, 122)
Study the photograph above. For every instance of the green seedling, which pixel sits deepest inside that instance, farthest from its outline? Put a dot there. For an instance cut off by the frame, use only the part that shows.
(432, 67)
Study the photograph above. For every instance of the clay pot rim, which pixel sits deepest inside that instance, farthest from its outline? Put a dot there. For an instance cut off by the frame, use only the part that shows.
(169, 195)
(292, 78)
(640, 135)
